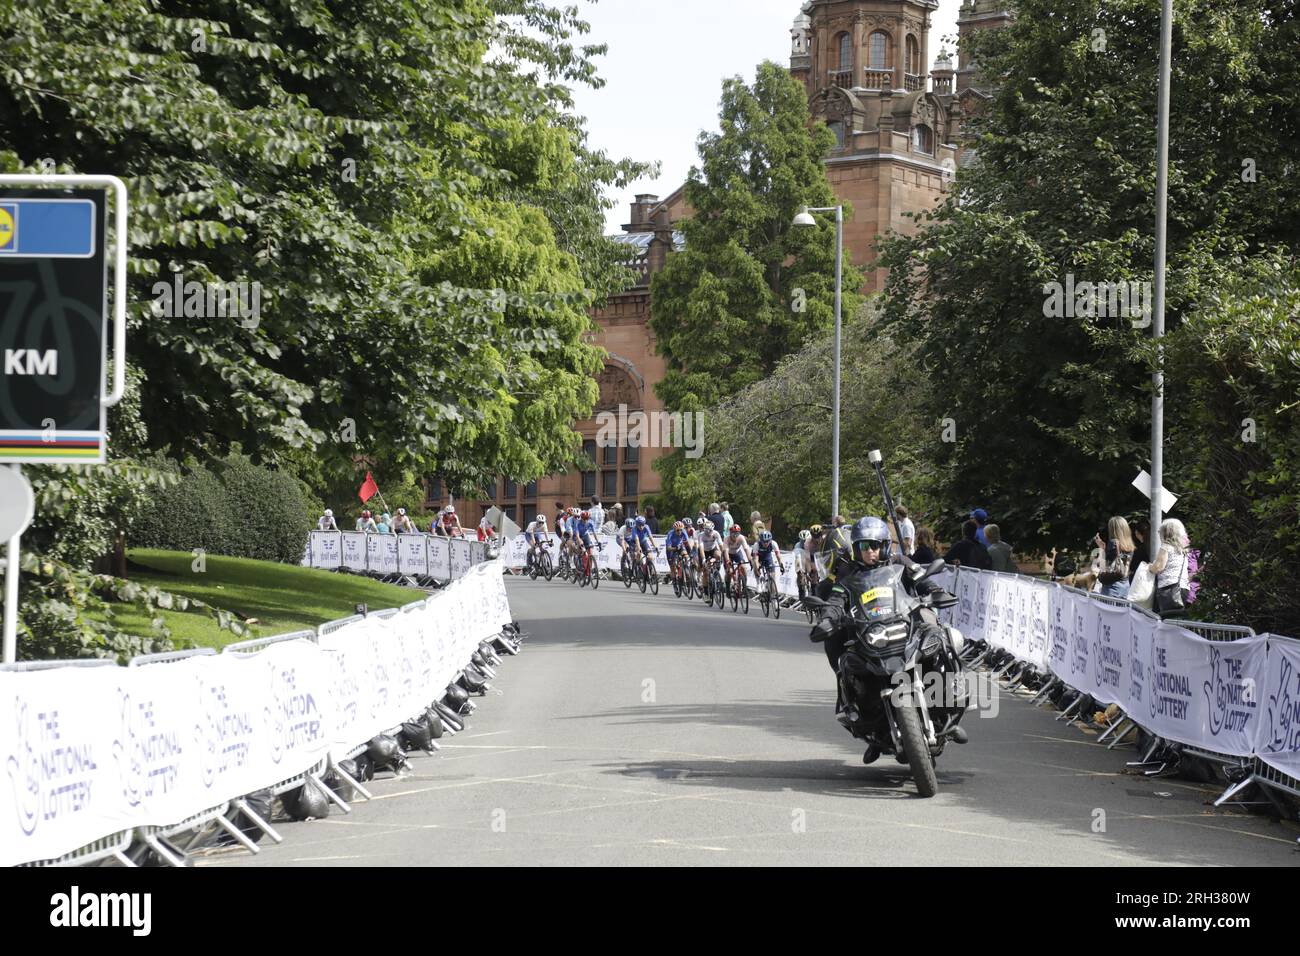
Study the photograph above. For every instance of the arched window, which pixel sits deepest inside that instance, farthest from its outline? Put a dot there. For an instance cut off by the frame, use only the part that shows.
(876, 50)
(913, 64)
(922, 139)
(845, 44)
(837, 127)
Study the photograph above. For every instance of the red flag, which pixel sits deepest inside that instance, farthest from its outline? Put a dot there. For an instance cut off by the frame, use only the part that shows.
(369, 489)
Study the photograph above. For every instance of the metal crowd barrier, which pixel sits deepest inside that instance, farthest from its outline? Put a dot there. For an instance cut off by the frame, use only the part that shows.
(259, 643)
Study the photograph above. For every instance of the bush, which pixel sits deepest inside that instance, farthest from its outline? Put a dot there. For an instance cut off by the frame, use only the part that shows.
(245, 510)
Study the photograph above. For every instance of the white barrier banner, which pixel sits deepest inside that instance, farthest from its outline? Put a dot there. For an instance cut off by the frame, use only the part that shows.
(439, 554)
(459, 549)
(381, 553)
(661, 556)
(515, 553)
(1110, 647)
(354, 551)
(1278, 738)
(412, 555)
(1038, 608)
(609, 557)
(326, 550)
(1195, 691)
(788, 582)
(1060, 629)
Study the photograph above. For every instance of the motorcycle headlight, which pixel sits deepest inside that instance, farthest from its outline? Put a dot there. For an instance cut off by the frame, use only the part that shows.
(882, 635)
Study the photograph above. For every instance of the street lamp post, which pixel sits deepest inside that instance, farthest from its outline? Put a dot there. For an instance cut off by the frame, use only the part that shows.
(1158, 306)
(804, 218)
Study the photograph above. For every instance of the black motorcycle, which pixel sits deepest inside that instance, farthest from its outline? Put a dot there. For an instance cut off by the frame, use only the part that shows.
(901, 681)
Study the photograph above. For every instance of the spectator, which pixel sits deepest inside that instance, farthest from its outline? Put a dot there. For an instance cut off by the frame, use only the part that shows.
(981, 518)
(616, 516)
(1114, 576)
(968, 551)
(385, 525)
(756, 523)
(1173, 581)
(716, 519)
(1141, 550)
(485, 530)
(999, 550)
(596, 512)
(366, 522)
(838, 521)
(611, 525)
(906, 529)
(327, 522)
(651, 521)
(402, 524)
(727, 521)
(924, 553)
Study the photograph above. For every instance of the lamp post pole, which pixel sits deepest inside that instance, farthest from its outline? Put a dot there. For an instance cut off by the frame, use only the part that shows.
(805, 219)
(1158, 306)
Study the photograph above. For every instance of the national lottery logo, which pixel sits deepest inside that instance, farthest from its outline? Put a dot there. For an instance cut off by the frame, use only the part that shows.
(1284, 712)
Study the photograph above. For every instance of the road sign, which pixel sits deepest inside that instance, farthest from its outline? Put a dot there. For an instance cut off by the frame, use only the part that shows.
(16, 503)
(1143, 484)
(53, 314)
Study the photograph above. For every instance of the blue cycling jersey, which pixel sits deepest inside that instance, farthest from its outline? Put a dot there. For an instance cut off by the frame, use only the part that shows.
(585, 528)
(766, 552)
(644, 536)
(676, 539)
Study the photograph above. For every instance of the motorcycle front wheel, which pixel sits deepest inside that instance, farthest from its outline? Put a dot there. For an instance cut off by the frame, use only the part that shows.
(918, 751)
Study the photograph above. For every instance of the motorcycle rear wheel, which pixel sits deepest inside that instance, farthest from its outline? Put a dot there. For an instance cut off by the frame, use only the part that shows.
(918, 751)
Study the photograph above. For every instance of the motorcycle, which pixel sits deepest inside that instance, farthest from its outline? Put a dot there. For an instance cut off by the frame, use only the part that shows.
(901, 680)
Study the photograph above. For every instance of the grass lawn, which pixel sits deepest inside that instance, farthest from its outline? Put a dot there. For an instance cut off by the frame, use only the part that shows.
(281, 597)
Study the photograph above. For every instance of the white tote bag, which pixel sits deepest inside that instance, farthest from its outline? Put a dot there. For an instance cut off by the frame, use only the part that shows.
(1143, 588)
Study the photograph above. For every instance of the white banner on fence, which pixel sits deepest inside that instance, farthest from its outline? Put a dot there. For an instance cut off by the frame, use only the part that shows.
(459, 549)
(354, 551)
(381, 553)
(1277, 741)
(412, 555)
(92, 751)
(326, 550)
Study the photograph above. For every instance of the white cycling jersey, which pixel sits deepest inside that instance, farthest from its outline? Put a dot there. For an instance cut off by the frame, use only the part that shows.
(738, 548)
(709, 538)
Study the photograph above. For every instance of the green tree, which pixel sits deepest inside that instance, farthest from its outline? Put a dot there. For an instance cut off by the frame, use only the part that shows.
(749, 287)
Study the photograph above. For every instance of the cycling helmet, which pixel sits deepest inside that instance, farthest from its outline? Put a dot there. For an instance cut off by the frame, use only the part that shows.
(688, 522)
(735, 529)
(805, 534)
(328, 513)
(765, 536)
(365, 514)
(540, 519)
(586, 516)
(629, 524)
(816, 529)
(867, 533)
(451, 510)
(678, 526)
(640, 521)
(401, 511)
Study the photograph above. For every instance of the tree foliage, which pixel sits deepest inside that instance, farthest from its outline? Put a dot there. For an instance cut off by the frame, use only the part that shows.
(750, 287)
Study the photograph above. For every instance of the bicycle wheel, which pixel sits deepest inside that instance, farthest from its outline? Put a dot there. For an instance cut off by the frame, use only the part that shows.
(735, 594)
(720, 589)
(548, 566)
(641, 581)
(776, 606)
(625, 570)
(764, 599)
(595, 574)
(654, 578)
(677, 582)
(744, 599)
(690, 582)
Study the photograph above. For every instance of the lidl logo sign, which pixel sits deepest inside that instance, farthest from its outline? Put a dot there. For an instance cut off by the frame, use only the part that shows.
(8, 225)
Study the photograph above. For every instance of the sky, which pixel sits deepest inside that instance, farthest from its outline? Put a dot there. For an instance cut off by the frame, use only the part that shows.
(664, 71)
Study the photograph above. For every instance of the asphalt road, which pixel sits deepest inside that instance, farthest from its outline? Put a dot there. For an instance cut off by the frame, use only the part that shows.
(649, 730)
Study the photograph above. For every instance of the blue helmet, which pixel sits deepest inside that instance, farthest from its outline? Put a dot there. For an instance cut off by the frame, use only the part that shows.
(640, 521)
(628, 524)
(765, 536)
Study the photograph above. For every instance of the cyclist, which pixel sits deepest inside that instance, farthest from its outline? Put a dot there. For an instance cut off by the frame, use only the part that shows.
(678, 544)
(645, 540)
(366, 523)
(710, 546)
(627, 539)
(692, 541)
(768, 553)
(585, 534)
(535, 534)
(736, 547)
(327, 522)
(803, 561)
